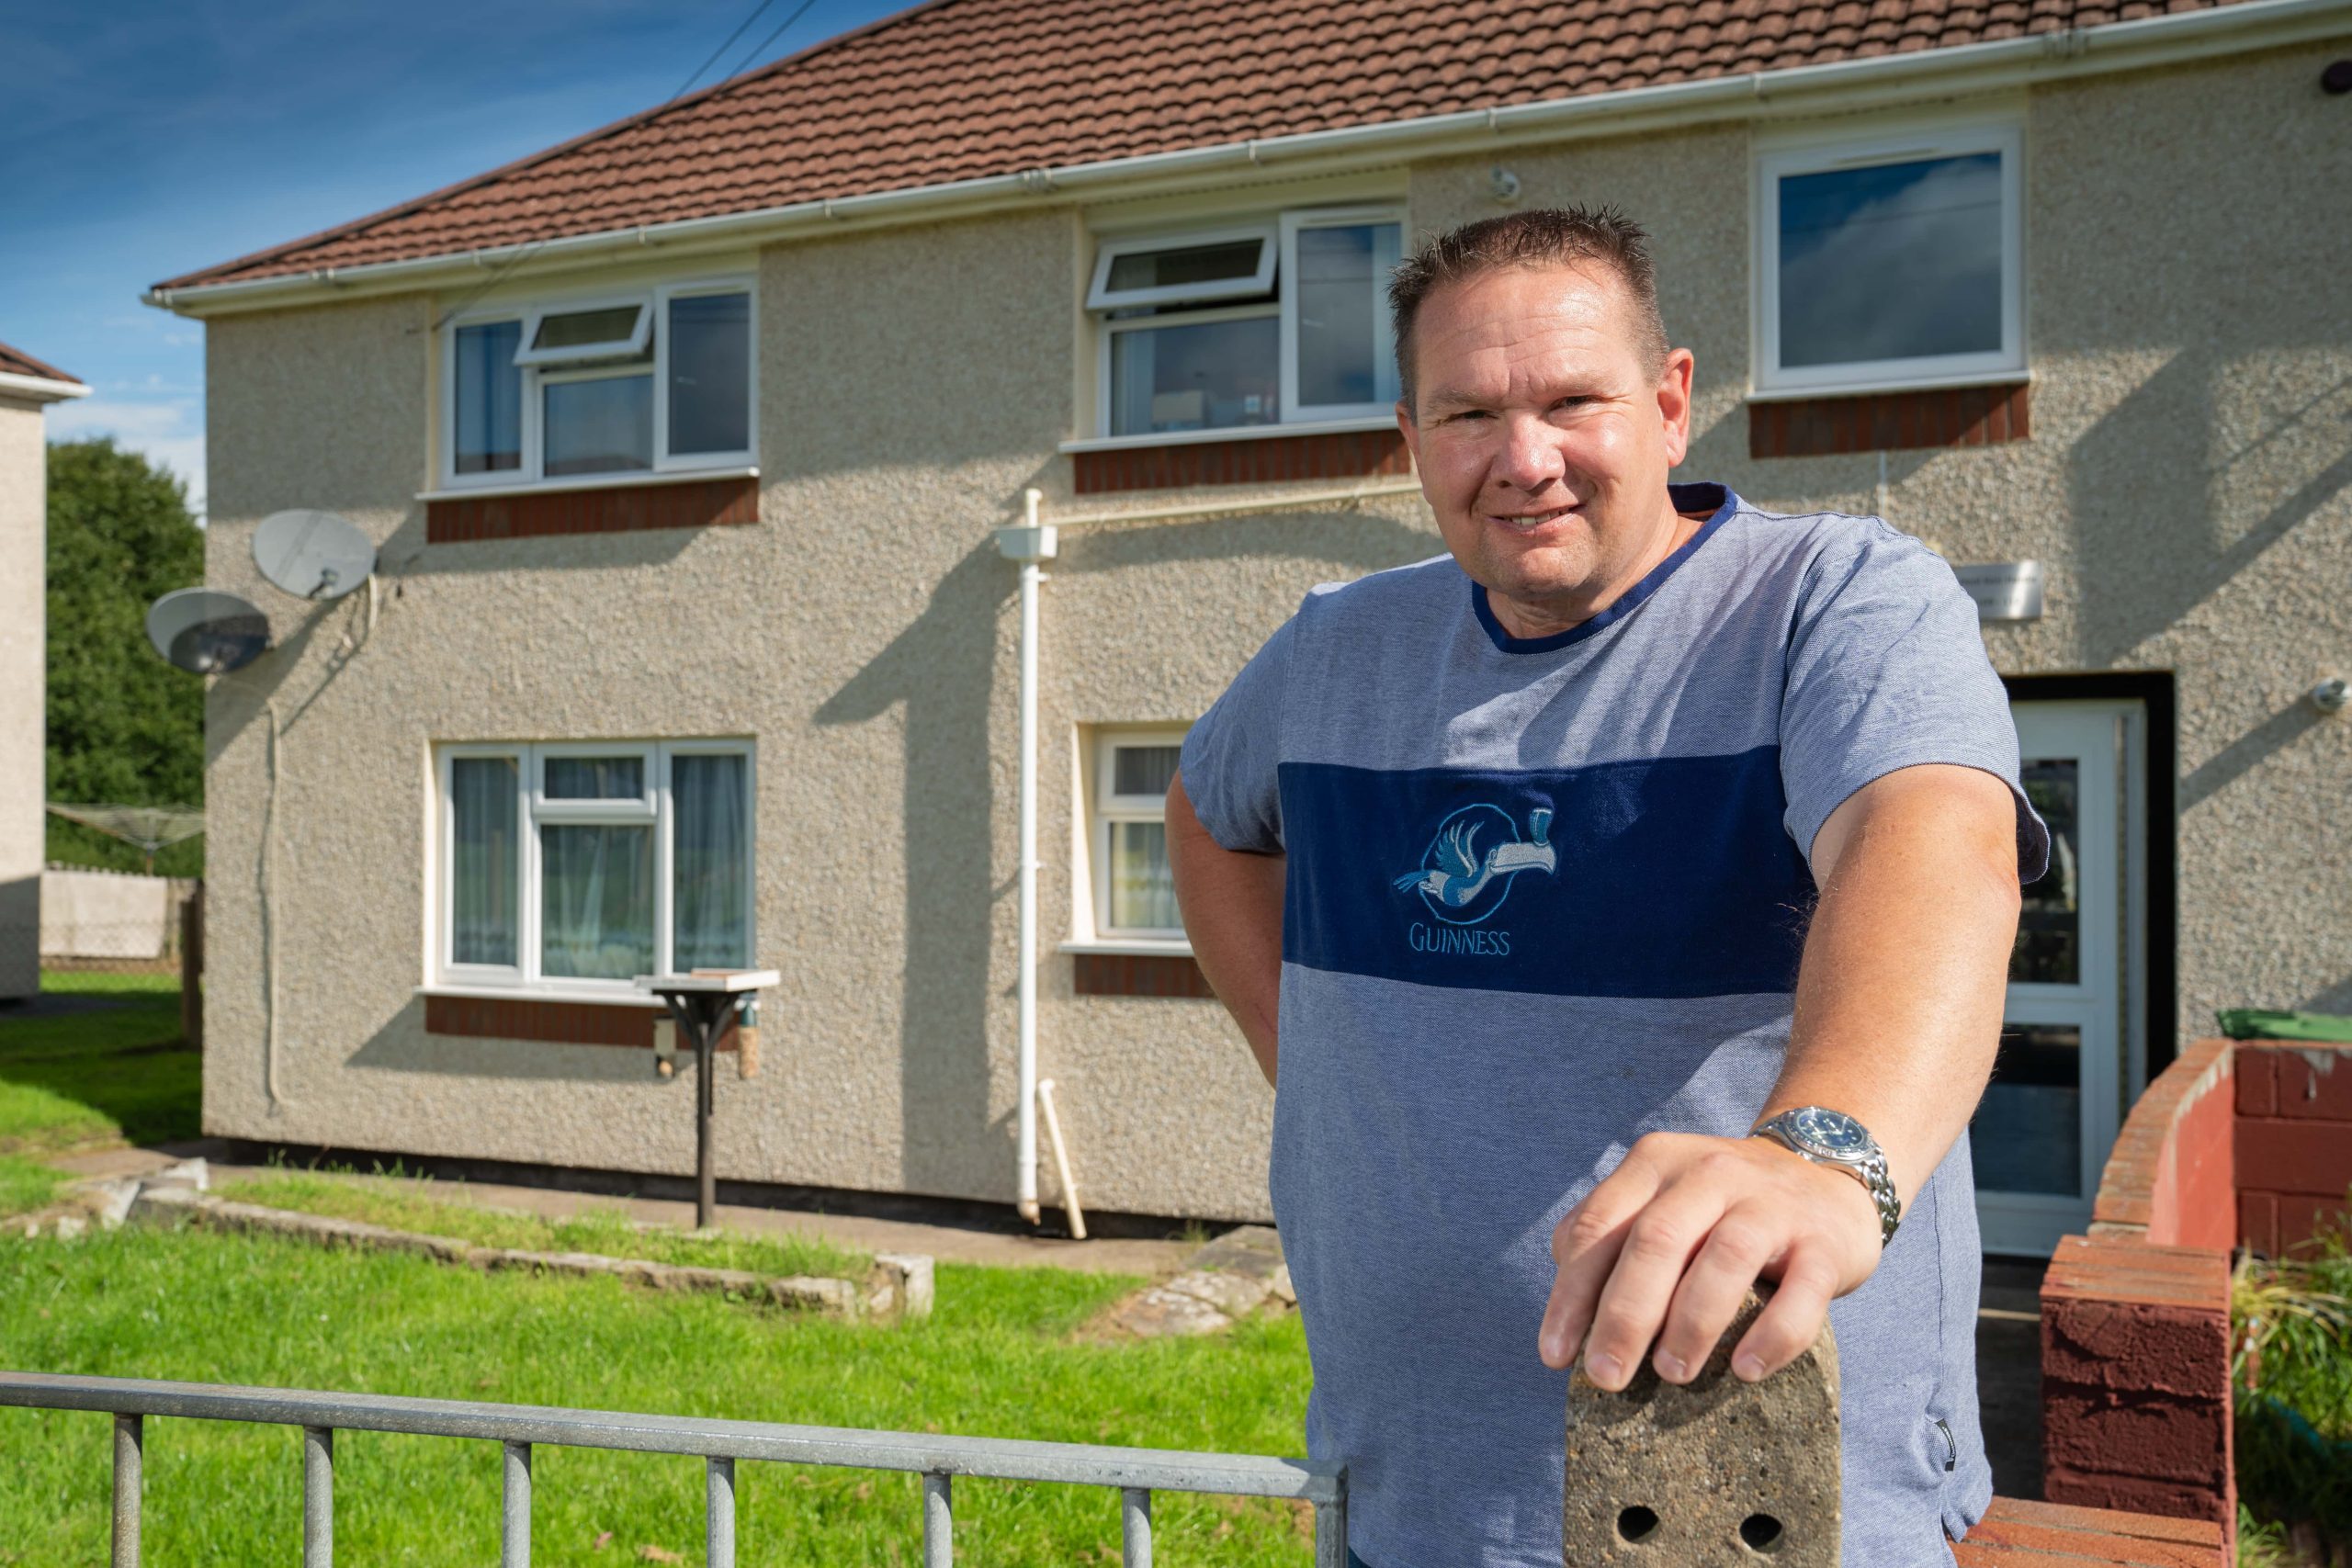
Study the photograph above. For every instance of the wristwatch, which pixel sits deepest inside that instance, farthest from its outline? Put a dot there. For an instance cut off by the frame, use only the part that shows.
(1833, 1138)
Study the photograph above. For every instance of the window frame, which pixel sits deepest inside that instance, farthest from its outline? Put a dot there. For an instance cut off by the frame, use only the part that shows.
(655, 807)
(1293, 223)
(653, 324)
(1285, 227)
(1105, 810)
(1100, 295)
(612, 350)
(1911, 143)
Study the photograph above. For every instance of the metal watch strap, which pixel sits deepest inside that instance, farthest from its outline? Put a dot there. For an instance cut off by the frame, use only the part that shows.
(1873, 1170)
(1870, 1170)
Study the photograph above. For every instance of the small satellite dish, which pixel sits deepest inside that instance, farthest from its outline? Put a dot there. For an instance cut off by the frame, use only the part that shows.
(312, 555)
(205, 631)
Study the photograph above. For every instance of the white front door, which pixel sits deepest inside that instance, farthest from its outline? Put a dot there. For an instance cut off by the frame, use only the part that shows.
(2070, 1054)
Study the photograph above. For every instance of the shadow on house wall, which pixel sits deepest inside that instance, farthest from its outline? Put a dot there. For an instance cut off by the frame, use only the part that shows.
(943, 669)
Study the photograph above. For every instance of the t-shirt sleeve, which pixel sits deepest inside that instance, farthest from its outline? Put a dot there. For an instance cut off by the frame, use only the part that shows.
(1229, 759)
(1887, 669)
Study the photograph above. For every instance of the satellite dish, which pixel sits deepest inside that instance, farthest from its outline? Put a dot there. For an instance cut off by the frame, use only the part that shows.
(312, 555)
(205, 631)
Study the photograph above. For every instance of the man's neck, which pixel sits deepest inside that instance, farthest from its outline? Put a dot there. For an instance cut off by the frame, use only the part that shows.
(1529, 618)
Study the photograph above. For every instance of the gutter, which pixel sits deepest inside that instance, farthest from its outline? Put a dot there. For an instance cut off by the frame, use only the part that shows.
(40, 388)
(1845, 84)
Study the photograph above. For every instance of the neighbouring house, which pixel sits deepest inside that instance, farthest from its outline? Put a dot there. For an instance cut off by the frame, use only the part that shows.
(688, 444)
(27, 387)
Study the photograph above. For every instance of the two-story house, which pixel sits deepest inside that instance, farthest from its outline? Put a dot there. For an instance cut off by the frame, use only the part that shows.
(686, 445)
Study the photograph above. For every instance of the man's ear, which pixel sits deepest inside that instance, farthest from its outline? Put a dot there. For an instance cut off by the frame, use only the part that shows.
(1674, 403)
(1412, 432)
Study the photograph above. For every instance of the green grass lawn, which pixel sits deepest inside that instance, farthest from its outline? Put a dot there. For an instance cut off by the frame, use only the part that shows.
(434, 1207)
(997, 1359)
(101, 1076)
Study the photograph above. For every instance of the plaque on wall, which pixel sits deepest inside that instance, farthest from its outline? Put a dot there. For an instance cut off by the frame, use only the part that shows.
(2004, 590)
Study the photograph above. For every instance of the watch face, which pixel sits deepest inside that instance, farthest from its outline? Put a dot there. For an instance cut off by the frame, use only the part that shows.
(1832, 1132)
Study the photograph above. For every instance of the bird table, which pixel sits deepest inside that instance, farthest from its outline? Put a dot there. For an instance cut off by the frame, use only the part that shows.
(700, 1002)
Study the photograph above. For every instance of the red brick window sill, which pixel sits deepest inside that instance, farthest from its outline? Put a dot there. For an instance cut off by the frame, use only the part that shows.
(1890, 421)
(611, 509)
(1332, 455)
(1138, 974)
(547, 1019)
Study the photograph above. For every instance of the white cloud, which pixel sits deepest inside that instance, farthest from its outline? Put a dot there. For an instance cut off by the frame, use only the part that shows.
(169, 433)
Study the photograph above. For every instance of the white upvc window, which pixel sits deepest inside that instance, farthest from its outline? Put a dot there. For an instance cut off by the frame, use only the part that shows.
(1240, 325)
(658, 380)
(1890, 261)
(1133, 888)
(578, 866)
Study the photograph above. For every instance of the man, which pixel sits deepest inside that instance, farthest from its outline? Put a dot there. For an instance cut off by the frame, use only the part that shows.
(1508, 861)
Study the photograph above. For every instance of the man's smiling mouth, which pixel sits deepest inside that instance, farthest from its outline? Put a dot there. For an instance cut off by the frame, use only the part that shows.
(1528, 522)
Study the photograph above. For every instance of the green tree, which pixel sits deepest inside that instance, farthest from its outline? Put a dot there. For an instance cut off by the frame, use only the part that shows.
(124, 728)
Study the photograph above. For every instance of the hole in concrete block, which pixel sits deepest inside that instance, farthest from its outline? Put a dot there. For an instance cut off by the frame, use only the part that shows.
(1636, 1523)
(1762, 1533)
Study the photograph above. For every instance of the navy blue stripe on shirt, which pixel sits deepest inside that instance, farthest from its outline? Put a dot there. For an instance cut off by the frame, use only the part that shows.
(1670, 877)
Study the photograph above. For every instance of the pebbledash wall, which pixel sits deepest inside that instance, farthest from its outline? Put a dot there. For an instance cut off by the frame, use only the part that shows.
(24, 566)
(2185, 484)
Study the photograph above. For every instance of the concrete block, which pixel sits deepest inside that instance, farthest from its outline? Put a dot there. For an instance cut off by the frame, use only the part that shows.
(1713, 1472)
(1236, 1295)
(908, 1276)
(1161, 1313)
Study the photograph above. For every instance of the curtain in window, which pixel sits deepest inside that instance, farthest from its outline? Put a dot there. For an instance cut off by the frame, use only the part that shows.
(710, 893)
(484, 796)
(595, 900)
(489, 414)
(1143, 884)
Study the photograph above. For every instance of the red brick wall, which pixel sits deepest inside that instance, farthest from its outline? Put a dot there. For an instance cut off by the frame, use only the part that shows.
(613, 508)
(2294, 1140)
(1356, 454)
(2135, 1317)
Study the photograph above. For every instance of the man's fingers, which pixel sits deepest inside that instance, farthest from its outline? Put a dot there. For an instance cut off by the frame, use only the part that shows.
(1585, 1245)
(1746, 1241)
(1658, 1247)
(1791, 1320)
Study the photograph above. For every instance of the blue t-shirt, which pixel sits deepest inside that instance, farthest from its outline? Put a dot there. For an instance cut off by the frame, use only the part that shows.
(1545, 896)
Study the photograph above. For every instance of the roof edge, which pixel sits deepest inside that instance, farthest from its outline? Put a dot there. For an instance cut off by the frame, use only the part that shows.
(516, 165)
(40, 388)
(1871, 81)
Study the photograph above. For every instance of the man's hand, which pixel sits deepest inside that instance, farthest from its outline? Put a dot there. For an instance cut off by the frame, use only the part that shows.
(1898, 1011)
(1676, 1235)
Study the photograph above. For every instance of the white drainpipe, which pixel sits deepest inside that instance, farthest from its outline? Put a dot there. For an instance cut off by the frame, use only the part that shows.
(1031, 543)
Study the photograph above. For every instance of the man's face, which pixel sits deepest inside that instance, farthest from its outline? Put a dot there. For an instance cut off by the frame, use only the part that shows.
(1542, 435)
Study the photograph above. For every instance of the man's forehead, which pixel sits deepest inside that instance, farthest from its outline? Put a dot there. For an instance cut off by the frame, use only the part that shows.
(1498, 328)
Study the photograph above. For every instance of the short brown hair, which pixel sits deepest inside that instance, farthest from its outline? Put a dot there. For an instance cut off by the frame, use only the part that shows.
(1544, 236)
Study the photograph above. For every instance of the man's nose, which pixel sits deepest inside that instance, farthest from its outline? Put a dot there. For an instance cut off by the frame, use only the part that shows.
(1531, 459)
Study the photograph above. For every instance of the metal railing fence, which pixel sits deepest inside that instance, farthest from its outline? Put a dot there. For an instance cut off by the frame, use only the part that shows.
(1136, 1473)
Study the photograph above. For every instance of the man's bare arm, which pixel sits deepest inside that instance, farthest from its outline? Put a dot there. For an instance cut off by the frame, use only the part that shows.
(1232, 905)
(1898, 1012)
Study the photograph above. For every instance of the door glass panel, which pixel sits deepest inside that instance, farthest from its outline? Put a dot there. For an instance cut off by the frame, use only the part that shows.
(2050, 928)
(2028, 1133)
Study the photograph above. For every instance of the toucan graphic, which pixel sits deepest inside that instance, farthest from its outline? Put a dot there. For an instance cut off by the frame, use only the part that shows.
(1459, 875)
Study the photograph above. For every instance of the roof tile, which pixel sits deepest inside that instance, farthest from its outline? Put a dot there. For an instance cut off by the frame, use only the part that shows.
(16, 362)
(937, 94)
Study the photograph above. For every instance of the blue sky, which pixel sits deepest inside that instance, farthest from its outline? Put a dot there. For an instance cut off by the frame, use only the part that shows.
(151, 139)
